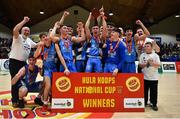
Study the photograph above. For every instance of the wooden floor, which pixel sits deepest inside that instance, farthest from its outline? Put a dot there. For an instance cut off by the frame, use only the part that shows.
(168, 97)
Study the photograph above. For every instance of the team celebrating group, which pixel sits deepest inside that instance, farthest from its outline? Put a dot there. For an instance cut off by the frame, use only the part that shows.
(103, 48)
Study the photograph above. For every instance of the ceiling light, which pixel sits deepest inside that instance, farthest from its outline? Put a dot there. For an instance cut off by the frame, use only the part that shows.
(111, 14)
(41, 12)
(177, 15)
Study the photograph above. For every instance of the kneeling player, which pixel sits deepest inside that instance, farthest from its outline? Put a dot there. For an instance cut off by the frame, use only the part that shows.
(25, 80)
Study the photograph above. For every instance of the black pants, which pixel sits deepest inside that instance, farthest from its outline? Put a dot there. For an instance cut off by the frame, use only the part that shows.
(153, 87)
(139, 69)
(14, 67)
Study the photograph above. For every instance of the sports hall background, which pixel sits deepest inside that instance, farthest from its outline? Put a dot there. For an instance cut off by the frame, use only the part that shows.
(162, 18)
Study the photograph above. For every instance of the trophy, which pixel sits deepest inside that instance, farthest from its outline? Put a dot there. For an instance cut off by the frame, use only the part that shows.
(96, 13)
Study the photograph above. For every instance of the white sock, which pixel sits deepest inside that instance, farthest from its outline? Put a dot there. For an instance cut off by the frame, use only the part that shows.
(45, 102)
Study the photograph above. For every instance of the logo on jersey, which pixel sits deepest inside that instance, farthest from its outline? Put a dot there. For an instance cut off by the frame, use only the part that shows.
(66, 44)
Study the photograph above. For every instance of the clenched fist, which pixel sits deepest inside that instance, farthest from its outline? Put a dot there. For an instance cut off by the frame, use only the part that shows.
(26, 19)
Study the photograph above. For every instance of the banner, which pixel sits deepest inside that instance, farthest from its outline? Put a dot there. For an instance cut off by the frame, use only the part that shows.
(33, 111)
(178, 67)
(97, 92)
(5, 64)
(169, 66)
(0, 64)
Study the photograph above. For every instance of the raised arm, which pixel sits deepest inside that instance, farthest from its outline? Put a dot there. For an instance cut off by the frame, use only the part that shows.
(53, 32)
(18, 27)
(87, 30)
(104, 24)
(79, 39)
(20, 74)
(56, 26)
(155, 46)
(146, 32)
(39, 49)
(65, 14)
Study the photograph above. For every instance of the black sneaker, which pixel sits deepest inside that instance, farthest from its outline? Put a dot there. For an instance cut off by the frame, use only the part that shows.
(155, 108)
(38, 101)
(21, 104)
(15, 104)
(148, 105)
(50, 98)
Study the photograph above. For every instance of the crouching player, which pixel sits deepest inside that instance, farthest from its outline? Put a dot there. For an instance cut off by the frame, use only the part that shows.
(25, 79)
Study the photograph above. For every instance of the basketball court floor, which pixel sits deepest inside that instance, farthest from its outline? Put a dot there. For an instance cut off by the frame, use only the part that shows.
(168, 103)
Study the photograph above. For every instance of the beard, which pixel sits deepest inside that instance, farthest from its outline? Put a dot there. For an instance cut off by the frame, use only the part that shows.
(24, 36)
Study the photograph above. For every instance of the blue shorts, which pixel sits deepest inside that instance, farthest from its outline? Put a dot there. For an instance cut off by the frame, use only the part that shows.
(129, 67)
(70, 65)
(48, 72)
(94, 65)
(34, 87)
(80, 65)
(109, 67)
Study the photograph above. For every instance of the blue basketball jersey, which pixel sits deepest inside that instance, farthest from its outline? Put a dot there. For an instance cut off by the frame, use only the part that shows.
(130, 51)
(112, 52)
(30, 77)
(66, 49)
(94, 48)
(49, 55)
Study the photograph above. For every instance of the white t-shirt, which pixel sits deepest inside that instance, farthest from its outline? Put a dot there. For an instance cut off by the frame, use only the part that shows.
(21, 48)
(150, 73)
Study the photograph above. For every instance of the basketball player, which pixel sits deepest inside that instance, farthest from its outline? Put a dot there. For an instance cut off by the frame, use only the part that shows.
(94, 58)
(141, 38)
(130, 52)
(25, 80)
(49, 53)
(64, 45)
(114, 53)
(80, 49)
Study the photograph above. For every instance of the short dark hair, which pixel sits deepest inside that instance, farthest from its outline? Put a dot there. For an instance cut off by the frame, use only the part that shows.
(117, 30)
(31, 55)
(138, 28)
(42, 34)
(95, 25)
(70, 26)
(149, 43)
(112, 24)
(127, 27)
